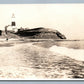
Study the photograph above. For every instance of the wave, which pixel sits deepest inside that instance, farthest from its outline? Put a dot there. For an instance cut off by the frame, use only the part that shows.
(77, 54)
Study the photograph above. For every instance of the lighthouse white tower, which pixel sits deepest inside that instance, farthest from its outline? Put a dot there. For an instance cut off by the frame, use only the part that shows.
(13, 23)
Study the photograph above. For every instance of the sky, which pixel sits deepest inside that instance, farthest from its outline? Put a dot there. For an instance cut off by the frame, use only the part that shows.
(66, 18)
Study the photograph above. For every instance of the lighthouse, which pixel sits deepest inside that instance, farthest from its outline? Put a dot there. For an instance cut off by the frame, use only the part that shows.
(13, 23)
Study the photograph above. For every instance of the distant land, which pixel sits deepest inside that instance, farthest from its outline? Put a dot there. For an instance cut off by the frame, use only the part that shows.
(40, 33)
(36, 33)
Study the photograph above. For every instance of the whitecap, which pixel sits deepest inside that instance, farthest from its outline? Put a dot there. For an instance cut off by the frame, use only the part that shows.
(77, 54)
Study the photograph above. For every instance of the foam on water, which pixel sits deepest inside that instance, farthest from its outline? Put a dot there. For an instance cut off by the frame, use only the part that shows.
(77, 54)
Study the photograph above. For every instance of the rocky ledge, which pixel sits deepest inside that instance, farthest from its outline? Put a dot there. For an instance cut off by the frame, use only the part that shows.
(40, 33)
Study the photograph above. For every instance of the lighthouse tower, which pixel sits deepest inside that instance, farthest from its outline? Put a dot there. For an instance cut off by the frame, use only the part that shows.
(13, 23)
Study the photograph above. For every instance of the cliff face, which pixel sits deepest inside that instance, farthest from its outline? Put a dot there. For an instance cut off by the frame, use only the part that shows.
(40, 33)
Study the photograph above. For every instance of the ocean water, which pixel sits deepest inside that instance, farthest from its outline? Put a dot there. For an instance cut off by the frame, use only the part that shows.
(63, 59)
(71, 44)
(72, 49)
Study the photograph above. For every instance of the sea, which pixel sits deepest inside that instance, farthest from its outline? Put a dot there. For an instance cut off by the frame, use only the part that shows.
(74, 44)
(71, 48)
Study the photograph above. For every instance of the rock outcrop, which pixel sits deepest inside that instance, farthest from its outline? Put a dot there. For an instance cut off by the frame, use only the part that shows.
(40, 33)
